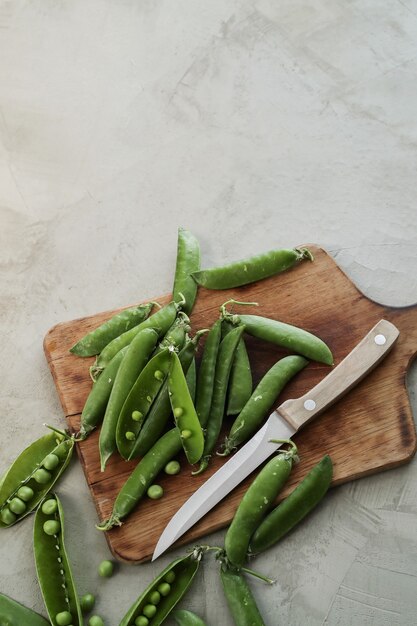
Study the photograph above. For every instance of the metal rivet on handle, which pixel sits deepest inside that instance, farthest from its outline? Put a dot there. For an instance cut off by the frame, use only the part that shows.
(380, 340)
(309, 405)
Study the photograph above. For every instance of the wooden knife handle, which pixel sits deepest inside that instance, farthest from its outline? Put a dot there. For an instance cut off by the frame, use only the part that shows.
(355, 366)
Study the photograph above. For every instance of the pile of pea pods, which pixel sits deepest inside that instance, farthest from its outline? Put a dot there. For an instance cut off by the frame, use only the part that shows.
(151, 402)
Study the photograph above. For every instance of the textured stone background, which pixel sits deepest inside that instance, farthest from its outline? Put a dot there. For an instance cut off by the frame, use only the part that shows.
(255, 124)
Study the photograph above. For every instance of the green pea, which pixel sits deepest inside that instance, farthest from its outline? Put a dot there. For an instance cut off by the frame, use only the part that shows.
(95, 620)
(178, 411)
(141, 621)
(149, 610)
(87, 602)
(154, 597)
(64, 618)
(42, 477)
(155, 492)
(159, 375)
(52, 527)
(25, 493)
(51, 461)
(170, 577)
(171, 468)
(49, 506)
(164, 589)
(186, 434)
(137, 416)
(130, 436)
(7, 517)
(17, 506)
(105, 569)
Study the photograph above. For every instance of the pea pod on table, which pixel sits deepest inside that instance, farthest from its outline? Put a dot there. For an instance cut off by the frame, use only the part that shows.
(161, 321)
(205, 375)
(176, 335)
(131, 366)
(187, 618)
(261, 401)
(94, 342)
(184, 412)
(256, 502)
(13, 613)
(96, 403)
(284, 335)
(52, 565)
(165, 591)
(32, 476)
(188, 261)
(224, 363)
(240, 600)
(294, 508)
(139, 400)
(240, 382)
(251, 269)
(142, 477)
(160, 410)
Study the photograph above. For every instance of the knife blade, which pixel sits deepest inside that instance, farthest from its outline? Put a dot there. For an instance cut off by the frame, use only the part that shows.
(283, 423)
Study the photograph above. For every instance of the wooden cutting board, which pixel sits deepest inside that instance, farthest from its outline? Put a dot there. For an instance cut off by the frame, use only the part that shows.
(369, 430)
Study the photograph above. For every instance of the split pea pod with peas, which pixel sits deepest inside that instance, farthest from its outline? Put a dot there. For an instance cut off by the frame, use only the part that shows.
(13, 613)
(53, 567)
(251, 269)
(165, 591)
(139, 400)
(94, 342)
(32, 476)
(131, 366)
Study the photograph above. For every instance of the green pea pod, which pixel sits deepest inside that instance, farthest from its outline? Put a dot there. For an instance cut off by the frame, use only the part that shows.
(256, 502)
(14, 614)
(184, 412)
(161, 321)
(240, 382)
(284, 335)
(187, 618)
(176, 335)
(96, 403)
(28, 471)
(94, 342)
(160, 410)
(294, 508)
(139, 400)
(52, 564)
(251, 269)
(205, 378)
(261, 401)
(143, 476)
(131, 366)
(191, 378)
(239, 598)
(188, 261)
(167, 589)
(224, 363)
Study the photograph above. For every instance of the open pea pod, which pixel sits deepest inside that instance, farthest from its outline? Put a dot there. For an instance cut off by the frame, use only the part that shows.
(164, 592)
(139, 401)
(13, 613)
(52, 565)
(32, 476)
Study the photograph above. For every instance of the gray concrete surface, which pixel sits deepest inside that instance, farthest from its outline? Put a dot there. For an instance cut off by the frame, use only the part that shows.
(255, 124)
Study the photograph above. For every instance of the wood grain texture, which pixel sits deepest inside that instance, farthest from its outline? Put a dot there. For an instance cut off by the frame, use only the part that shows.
(369, 430)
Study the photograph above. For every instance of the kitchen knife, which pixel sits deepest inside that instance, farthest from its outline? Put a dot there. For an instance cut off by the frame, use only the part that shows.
(283, 423)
